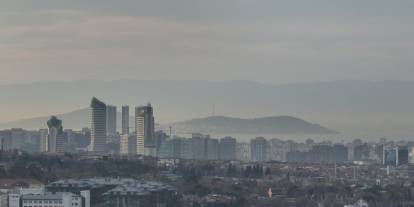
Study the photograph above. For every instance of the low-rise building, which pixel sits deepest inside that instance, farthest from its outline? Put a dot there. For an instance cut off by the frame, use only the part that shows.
(148, 194)
(52, 199)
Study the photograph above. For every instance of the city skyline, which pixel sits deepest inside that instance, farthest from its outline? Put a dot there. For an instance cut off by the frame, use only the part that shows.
(206, 103)
(353, 108)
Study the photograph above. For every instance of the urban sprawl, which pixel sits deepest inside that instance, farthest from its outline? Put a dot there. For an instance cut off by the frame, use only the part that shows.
(99, 166)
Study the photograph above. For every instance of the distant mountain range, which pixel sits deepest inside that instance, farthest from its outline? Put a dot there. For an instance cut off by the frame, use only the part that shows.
(362, 108)
(214, 124)
(265, 125)
(72, 120)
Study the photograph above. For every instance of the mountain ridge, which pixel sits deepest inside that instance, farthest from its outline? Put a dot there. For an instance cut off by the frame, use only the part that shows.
(355, 107)
(78, 119)
(270, 124)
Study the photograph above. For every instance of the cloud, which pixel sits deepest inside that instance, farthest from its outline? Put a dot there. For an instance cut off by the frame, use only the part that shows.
(268, 41)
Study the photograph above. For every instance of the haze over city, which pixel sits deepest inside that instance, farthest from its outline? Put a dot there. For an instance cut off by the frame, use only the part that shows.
(206, 103)
(269, 42)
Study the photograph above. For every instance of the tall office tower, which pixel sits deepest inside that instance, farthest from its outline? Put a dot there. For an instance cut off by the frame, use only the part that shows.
(43, 140)
(144, 128)
(98, 125)
(125, 119)
(111, 120)
(227, 149)
(56, 138)
(258, 149)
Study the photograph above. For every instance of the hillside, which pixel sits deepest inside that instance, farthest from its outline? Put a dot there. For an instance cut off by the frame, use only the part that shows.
(274, 124)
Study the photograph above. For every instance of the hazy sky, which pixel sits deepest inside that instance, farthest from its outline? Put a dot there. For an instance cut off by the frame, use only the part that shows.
(262, 40)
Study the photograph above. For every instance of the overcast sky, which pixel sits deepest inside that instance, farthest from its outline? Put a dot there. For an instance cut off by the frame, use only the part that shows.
(262, 40)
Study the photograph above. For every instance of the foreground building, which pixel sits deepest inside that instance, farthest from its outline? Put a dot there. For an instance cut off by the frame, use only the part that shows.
(119, 192)
(148, 194)
(52, 199)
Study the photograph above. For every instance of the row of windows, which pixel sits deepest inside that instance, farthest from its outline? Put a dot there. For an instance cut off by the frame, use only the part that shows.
(36, 201)
(40, 206)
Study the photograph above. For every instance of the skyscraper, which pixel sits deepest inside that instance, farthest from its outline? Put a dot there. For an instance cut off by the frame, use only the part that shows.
(98, 125)
(144, 127)
(56, 139)
(125, 119)
(111, 120)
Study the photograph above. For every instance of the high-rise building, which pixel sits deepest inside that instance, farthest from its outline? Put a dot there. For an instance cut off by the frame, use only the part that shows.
(171, 148)
(212, 149)
(43, 140)
(144, 127)
(159, 136)
(110, 120)
(56, 138)
(98, 125)
(340, 153)
(199, 146)
(402, 155)
(361, 151)
(6, 140)
(243, 151)
(258, 149)
(17, 138)
(227, 150)
(69, 136)
(125, 119)
(278, 149)
(186, 149)
(127, 144)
